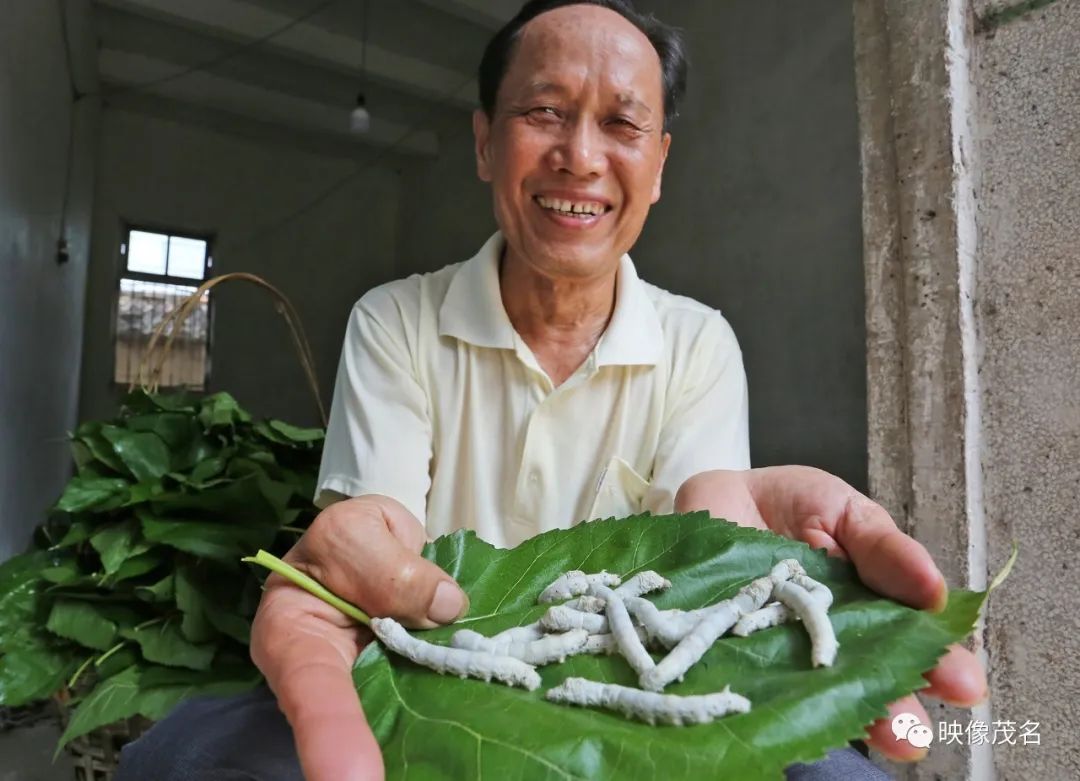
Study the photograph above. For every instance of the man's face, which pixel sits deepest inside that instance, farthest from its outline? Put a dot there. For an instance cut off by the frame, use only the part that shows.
(576, 147)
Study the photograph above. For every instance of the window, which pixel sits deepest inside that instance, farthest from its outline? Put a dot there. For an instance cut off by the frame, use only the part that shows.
(160, 270)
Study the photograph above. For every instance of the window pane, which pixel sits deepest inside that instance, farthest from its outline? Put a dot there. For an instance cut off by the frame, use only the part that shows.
(146, 252)
(187, 257)
(141, 306)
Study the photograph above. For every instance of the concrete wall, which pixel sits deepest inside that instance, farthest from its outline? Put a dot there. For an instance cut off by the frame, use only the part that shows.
(760, 216)
(970, 145)
(41, 301)
(446, 212)
(1027, 84)
(160, 170)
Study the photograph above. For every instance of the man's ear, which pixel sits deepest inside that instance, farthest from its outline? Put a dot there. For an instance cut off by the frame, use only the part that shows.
(481, 126)
(665, 143)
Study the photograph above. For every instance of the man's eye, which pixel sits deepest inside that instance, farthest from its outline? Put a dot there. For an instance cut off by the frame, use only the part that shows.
(544, 112)
(626, 125)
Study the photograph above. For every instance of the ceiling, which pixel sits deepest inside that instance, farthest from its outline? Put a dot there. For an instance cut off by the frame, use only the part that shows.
(294, 66)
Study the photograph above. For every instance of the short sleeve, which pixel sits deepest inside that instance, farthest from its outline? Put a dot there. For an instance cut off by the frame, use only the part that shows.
(379, 438)
(706, 424)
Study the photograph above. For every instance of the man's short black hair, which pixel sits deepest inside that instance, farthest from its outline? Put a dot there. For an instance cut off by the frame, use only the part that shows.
(666, 40)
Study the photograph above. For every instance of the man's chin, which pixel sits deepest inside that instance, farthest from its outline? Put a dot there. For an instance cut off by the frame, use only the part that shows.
(572, 257)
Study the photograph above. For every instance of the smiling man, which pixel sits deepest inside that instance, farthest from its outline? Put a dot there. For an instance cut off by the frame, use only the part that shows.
(536, 385)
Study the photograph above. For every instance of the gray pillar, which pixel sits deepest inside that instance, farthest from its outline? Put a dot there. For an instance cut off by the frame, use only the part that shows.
(970, 120)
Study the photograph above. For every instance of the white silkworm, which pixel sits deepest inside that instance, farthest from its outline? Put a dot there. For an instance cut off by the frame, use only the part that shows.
(605, 643)
(456, 661)
(587, 604)
(626, 637)
(814, 618)
(644, 582)
(522, 634)
(648, 706)
(719, 618)
(547, 649)
(777, 613)
(667, 627)
(575, 583)
(561, 618)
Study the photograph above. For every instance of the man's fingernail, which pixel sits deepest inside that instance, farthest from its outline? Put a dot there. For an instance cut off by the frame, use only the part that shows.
(449, 604)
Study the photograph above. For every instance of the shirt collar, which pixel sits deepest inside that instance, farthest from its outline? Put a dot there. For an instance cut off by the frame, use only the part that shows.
(473, 312)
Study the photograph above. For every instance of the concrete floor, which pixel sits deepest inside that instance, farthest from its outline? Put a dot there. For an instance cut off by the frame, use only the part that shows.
(26, 755)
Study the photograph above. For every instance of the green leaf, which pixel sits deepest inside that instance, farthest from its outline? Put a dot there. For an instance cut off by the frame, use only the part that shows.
(182, 434)
(254, 499)
(284, 434)
(221, 410)
(99, 493)
(162, 591)
(230, 624)
(139, 401)
(111, 700)
(219, 541)
(32, 667)
(62, 573)
(165, 644)
(141, 493)
(83, 622)
(117, 543)
(139, 565)
(89, 436)
(472, 729)
(195, 625)
(208, 469)
(78, 531)
(152, 692)
(143, 453)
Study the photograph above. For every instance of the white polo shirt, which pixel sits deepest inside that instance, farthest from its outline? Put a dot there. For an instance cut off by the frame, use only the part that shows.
(440, 404)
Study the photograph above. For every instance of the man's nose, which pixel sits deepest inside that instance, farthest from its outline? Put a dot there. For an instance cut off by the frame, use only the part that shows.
(581, 151)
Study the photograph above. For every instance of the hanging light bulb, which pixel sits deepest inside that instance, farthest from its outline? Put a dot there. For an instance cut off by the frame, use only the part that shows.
(360, 119)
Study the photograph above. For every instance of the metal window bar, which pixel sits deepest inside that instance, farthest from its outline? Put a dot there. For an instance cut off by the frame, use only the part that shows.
(143, 301)
(140, 307)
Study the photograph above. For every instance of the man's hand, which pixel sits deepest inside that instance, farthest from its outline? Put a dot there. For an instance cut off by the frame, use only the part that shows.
(825, 512)
(365, 550)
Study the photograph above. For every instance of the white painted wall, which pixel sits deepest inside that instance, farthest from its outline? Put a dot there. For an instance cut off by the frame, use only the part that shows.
(41, 301)
(760, 216)
(161, 171)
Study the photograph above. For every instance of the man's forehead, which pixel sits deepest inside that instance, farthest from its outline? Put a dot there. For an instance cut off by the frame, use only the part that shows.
(581, 32)
(540, 87)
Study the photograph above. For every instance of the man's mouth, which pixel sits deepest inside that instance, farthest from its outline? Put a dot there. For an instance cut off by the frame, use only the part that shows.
(582, 210)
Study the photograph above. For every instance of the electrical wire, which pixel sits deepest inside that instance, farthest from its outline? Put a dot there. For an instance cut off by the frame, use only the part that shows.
(324, 194)
(61, 245)
(329, 191)
(224, 57)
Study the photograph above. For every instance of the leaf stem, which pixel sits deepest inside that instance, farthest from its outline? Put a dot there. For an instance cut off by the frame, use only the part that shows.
(309, 584)
(101, 659)
(151, 622)
(1000, 577)
(78, 673)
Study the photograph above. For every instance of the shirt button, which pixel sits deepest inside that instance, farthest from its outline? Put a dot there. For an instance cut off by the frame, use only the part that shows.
(534, 477)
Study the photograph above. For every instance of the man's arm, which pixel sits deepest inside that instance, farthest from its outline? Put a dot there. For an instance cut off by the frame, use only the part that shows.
(365, 549)
(706, 421)
(379, 439)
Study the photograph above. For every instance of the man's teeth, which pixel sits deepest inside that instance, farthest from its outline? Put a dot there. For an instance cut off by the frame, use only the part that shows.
(571, 207)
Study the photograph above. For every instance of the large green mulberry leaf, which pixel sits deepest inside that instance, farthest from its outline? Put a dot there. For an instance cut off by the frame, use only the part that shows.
(439, 727)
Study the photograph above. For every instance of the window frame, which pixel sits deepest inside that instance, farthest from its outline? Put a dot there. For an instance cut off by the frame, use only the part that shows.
(123, 250)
